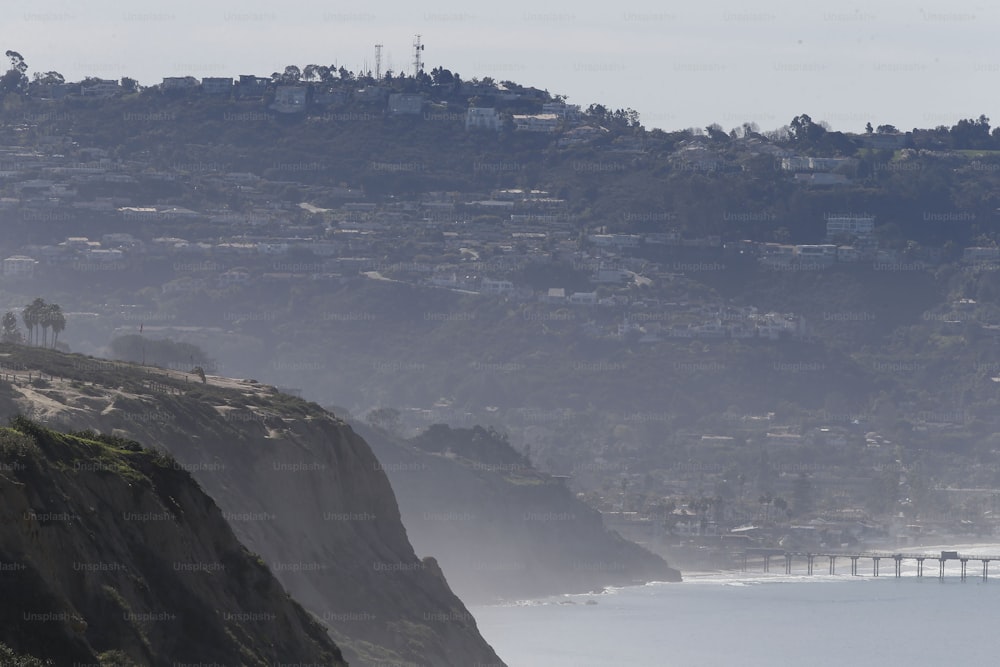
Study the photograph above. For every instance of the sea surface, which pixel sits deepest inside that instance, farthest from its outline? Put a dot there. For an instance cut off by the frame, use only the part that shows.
(755, 619)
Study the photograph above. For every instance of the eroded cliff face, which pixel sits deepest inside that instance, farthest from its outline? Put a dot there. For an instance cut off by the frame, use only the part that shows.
(298, 487)
(499, 528)
(111, 554)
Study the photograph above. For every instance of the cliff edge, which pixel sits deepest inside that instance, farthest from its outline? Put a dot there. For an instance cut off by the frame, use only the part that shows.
(110, 554)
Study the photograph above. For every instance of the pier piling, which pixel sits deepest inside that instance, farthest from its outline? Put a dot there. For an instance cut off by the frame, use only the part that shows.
(898, 558)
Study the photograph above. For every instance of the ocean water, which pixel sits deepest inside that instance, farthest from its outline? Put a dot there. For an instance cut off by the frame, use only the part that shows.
(755, 619)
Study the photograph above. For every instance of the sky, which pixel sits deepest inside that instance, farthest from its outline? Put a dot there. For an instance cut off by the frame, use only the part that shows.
(679, 65)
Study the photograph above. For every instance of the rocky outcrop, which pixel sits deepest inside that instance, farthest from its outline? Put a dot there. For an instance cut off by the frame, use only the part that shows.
(110, 554)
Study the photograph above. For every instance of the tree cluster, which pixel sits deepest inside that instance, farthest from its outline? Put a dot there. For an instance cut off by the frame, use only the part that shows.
(38, 317)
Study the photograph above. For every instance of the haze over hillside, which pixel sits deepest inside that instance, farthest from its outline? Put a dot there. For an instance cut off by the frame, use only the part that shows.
(500, 529)
(296, 485)
(705, 331)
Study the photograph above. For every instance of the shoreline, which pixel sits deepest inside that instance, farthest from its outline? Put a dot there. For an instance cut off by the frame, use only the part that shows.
(798, 575)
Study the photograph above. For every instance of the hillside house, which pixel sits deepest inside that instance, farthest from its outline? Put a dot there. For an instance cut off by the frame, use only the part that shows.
(217, 85)
(483, 118)
(610, 276)
(100, 88)
(849, 225)
(251, 87)
(981, 254)
(405, 104)
(541, 122)
(554, 295)
(289, 99)
(490, 286)
(565, 111)
(19, 266)
(178, 83)
(583, 298)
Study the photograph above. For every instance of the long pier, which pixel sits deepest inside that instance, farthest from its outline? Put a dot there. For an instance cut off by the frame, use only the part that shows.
(788, 557)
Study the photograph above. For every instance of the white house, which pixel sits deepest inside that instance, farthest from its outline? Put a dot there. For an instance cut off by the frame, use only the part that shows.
(554, 295)
(541, 122)
(583, 298)
(19, 266)
(483, 118)
(490, 286)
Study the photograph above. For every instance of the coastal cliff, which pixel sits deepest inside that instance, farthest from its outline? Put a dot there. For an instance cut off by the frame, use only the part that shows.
(110, 554)
(296, 485)
(500, 528)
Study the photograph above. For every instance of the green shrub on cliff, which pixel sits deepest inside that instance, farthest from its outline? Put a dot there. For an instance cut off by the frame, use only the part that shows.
(8, 658)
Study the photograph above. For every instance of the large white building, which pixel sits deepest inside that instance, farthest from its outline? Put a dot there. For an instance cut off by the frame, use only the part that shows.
(19, 266)
(540, 122)
(482, 118)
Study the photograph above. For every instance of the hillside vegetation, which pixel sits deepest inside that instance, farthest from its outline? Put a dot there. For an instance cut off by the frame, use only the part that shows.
(114, 555)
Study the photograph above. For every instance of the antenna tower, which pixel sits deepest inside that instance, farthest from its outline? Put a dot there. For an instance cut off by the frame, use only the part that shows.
(418, 64)
(378, 62)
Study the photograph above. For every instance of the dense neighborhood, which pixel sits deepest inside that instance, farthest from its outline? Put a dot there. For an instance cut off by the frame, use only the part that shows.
(629, 278)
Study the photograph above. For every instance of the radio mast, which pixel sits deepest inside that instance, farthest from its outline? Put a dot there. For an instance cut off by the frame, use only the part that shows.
(378, 62)
(418, 64)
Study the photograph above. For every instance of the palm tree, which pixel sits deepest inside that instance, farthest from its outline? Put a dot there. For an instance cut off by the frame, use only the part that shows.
(57, 321)
(45, 321)
(32, 316)
(28, 316)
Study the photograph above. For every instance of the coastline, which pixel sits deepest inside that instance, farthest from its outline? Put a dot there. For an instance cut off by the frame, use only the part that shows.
(767, 617)
(756, 577)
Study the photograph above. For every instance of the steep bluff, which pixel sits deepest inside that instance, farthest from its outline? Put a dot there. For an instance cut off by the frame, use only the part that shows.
(297, 485)
(110, 554)
(499, 528)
